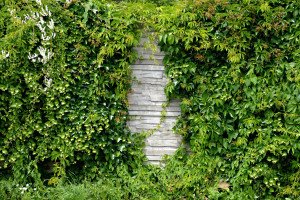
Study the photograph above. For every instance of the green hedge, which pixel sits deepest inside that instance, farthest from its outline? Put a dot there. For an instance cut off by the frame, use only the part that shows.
(236, 65)
(64, 85)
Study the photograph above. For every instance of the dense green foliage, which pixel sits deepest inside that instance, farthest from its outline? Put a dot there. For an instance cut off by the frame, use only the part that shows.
(63, 88)
(235, 64)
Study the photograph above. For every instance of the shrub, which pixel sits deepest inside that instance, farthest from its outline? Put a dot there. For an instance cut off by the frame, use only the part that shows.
(236, 64)
(63, 87)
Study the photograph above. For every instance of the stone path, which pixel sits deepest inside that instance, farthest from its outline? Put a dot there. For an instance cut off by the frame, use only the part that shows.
(146, 102)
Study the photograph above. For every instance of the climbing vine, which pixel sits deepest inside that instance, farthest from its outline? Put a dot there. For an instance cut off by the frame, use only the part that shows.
(236, 64)
(63, 87)
(64, 80)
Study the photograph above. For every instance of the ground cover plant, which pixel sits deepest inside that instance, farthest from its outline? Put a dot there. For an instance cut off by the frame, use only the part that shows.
(64, 83)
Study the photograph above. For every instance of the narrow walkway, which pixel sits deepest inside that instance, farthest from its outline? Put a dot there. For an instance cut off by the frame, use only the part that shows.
(146, 102)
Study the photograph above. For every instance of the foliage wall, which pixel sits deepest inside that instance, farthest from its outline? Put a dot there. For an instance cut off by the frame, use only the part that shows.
(236, 65)
(64, 79)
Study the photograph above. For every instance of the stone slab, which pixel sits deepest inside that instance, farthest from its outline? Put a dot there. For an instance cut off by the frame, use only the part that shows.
(148, 62)
(146, 100)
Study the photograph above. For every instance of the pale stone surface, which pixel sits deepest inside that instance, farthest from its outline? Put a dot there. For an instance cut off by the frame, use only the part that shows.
(146, 101)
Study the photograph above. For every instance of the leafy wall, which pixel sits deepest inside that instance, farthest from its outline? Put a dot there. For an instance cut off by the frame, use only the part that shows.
(63, 86)
(236, 66)
(234, 63)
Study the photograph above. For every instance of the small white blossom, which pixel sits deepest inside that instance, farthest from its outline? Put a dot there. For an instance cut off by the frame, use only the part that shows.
(35, 15)
(27, 185)
(4, 54)
(27, 17)
(53, 35)
(38, 2)
(45, 37)
(32, 56)
(34, 189)
(42, 51)
(41, 28)
(42, 20)
(48, 83)
(23, 188)
(45, 12)
(47, 55)
(50, 54)
(11, 11)
(51, 24)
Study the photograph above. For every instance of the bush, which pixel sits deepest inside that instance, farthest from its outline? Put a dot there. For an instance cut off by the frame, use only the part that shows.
(63, 88)
(236, 66)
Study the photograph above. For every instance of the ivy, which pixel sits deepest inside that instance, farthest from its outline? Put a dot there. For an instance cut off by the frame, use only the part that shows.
(236, 66)
(64, 87)
(64, 80)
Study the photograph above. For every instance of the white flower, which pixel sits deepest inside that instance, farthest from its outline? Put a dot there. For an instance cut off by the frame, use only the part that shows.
(27, 17)
(48, 83)
(11, 11)
(41, 28)
(17, 185)
(42, 51)
(53, 35)
(30, 57)
(51, 24)
(42, 20)
(27, 185)
(45, 37)
(35, 15)
(38, 2)
(49, 12)
(4, 54)
(46, 12)
(22, 192)
(34, 189)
